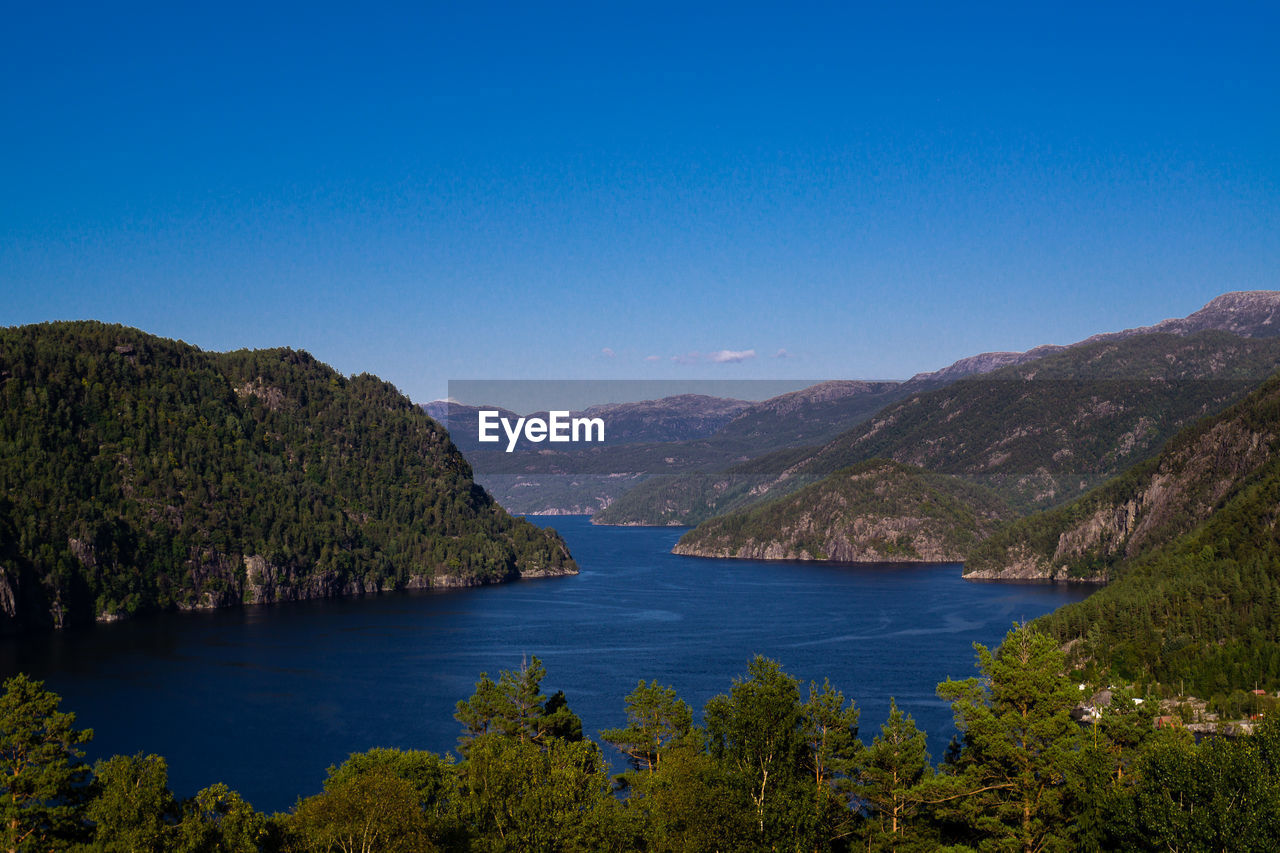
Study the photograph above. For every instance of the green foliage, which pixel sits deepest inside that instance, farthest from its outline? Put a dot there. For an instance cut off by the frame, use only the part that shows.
(138, 474)
(42, 774)
(519, 795)
(374, 810)
(692, 802)
(1221, 795)
(1019, 740)
(133, 810)
(1201, 609)
(772, 773)
(892, 770)
(514, 707)
(218, 820)
(784, 753)
(876, 510)
(657, 721)
(434, 781)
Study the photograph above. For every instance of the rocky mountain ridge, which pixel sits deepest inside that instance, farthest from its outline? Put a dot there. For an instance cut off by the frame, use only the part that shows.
(1142, 510)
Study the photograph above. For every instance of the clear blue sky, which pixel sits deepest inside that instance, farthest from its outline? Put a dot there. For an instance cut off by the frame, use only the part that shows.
(547, 190)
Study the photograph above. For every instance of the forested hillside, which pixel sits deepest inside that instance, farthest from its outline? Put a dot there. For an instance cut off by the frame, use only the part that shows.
(138, 473)
(1192, 546)
(1145, 508)
(875, 511)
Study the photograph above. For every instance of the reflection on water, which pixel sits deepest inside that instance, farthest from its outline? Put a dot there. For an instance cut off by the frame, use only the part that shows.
(265, 698)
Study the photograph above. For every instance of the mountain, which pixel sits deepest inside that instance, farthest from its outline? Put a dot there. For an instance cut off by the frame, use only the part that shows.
(1122, 394)
(641, 442)
(1039, 433)
(1191, 545)
(141, 474)
(1150, 505)
(682, 417)
(876, 511)
(1047, 430)
(1246, 313)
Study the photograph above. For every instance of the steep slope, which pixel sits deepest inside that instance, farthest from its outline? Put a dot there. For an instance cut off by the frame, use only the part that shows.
(1195, 595)
(144, 474)
(1143, 509)
(1045, 431)
(1038, 433)
(876, 511)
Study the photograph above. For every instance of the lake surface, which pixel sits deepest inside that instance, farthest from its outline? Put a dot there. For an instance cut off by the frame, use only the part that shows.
(266, 698)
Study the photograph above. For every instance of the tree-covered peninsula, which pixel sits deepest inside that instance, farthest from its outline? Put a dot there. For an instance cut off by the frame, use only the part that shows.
(141, 474)
(876, 511)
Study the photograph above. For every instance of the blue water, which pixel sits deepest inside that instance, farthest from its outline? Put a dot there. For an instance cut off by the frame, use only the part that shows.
(266, 698)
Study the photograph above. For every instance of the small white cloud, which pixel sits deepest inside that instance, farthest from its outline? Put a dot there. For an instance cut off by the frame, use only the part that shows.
(782, 353)
(653, 358)
(607, 352)
(729, 356)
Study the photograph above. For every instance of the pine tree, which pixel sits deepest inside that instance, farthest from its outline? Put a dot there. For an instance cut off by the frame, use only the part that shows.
(42, 773)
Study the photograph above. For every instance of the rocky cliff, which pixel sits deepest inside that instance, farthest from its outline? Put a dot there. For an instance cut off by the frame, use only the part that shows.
(1142, 510)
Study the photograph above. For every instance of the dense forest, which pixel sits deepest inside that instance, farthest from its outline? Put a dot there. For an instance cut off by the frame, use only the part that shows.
(138, 473)
(773, 765)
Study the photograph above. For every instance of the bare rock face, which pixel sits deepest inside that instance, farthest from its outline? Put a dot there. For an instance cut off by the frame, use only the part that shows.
(8, 594)
(1248, 313)
(267, 583)
(1183, 487)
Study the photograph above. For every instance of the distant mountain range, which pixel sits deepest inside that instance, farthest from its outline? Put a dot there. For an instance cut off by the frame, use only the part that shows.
(647, 438)
(1039, 427)
(1146, 460)
(1246, 313)
(687, 458)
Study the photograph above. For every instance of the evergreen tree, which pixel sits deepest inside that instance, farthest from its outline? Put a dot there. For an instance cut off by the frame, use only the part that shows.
(832, 751)
(514, 706)
(756, 732)
(657, 719)
(1019, 740)
(892, 769)
(42, 773)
